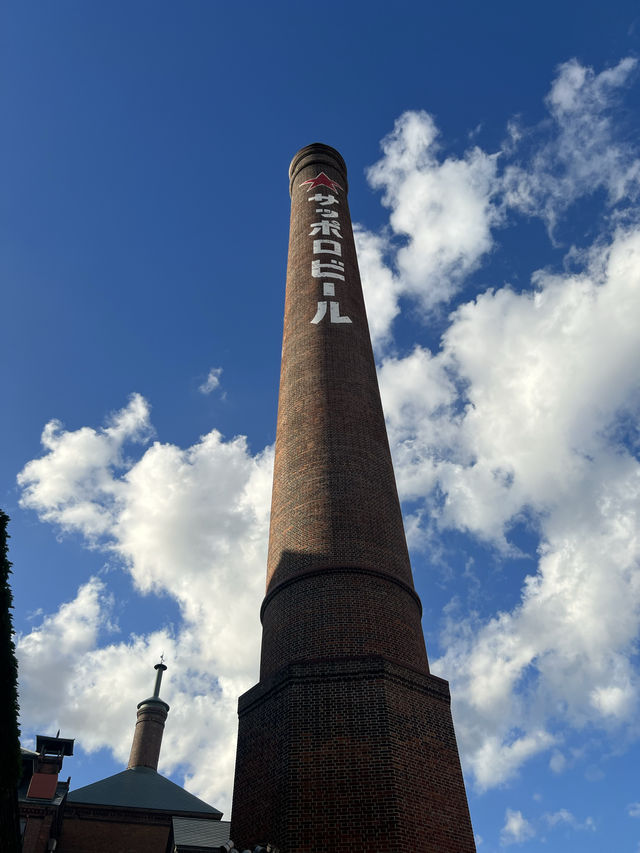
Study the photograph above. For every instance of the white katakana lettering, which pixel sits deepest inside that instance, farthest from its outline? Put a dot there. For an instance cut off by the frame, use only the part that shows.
(326, 228)
(333, 269)
(323, 199)
(327, 247)
(334, 313)
(322, 310)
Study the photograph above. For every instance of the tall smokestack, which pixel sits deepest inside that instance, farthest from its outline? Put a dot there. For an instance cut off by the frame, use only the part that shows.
(347, 739)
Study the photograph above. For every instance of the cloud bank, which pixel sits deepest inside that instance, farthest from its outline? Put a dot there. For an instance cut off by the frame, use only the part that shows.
(190, 524)
(525, 415)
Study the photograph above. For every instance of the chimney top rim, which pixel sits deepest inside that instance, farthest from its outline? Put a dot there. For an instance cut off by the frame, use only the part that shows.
(320, 154)
(153, 700)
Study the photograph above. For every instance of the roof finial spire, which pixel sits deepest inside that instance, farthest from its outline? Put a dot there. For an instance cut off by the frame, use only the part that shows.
(159, 668)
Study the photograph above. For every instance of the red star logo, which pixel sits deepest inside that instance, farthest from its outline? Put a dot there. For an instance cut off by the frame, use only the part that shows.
(322, 181)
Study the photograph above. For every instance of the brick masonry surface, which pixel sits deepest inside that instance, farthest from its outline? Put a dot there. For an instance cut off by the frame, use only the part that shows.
(37, 833)
(334, 495)
(342, 611)
(347, 741)
(98, 830)
(147, 736)
(350, 754)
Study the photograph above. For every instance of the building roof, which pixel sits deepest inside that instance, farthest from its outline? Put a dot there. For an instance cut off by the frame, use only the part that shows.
(141, 787)
(194, 834)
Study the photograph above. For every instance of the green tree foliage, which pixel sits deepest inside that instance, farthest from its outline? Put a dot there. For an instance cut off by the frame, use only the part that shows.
(11, 764)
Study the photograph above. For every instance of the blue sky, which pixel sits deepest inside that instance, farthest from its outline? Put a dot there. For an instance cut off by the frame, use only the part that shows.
(494, 172)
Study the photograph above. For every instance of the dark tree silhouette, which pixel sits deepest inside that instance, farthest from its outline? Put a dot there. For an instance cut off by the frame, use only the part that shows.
(10, 764)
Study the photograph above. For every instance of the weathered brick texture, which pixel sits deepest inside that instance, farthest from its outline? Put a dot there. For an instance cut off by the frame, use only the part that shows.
(341, 612)
(37, 833)
(147, 736)
(334, 494)
(96, 829)
(347, 740)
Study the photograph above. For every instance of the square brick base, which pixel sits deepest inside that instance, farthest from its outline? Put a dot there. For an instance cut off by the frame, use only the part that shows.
(354, 753)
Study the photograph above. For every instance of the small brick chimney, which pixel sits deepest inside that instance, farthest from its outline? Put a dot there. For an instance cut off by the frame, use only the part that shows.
(147, 738)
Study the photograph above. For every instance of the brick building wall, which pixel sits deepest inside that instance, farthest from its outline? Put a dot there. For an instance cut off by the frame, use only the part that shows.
(104, 830)
(37, 832)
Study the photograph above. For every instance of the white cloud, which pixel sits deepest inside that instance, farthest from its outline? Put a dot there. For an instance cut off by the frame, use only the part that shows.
(522, 414)
(557, 762)
(522, 379)
(580, 152)
(212, 381)
(563, 817)
(189, 523)
(496, 759)
(444, 210)
(381, 287)
(72, 485)
(441, 213)
(48, 654)
(633, 809)
(517, 416)
(516, 829)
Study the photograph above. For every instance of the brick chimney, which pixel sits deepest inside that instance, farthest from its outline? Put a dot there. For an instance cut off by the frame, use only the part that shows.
(147, 737)
(347, 741)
